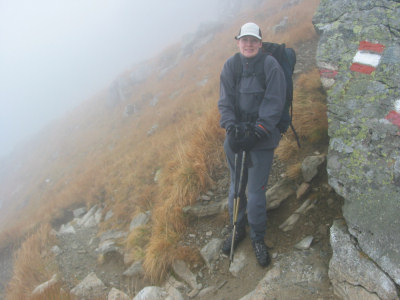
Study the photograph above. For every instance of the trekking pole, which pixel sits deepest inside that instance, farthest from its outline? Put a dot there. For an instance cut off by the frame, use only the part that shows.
(236, 200)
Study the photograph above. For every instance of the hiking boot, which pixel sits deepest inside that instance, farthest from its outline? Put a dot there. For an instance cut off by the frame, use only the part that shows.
(240, 234)
(260, 249)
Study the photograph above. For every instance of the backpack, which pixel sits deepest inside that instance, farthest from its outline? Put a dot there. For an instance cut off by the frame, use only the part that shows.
(286, 57)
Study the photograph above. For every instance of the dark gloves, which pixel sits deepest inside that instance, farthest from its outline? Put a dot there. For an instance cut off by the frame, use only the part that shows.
(231, 133)
(260, 131)
(241, 137)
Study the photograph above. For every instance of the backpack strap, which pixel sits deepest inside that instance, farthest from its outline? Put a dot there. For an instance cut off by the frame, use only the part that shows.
(237, 74)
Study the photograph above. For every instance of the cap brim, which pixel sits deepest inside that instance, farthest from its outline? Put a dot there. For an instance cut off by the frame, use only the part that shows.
(248, 34)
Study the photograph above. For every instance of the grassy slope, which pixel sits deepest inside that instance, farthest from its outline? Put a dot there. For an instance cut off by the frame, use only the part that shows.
(96, 155)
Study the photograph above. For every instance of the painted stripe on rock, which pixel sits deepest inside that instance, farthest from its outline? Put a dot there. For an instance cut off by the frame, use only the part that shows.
(362, 68)
(373, 47)
(366, 58)
(327, 73)
(394, 115)
(397, 105)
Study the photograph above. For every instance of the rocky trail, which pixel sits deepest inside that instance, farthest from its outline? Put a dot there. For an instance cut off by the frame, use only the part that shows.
(300, 252)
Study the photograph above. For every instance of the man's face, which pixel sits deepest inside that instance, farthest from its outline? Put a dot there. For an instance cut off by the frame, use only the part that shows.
(249, 45)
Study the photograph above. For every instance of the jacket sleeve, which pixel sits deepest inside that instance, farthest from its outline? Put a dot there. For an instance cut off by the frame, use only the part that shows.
(226, 103)
(272, 105)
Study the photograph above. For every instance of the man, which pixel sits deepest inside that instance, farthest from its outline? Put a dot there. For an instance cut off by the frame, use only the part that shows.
(250, 111)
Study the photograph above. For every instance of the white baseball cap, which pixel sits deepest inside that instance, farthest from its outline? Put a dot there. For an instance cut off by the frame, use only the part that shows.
(249, 29)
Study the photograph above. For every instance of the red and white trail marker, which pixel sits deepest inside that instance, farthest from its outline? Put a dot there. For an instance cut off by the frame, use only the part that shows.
(367, 57)
(394, 115)
(327, 72)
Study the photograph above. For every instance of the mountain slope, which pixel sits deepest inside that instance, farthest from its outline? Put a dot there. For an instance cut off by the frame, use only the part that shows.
(109, 150)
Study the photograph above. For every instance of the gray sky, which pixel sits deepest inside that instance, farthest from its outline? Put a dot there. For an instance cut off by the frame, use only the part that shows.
(57, 53)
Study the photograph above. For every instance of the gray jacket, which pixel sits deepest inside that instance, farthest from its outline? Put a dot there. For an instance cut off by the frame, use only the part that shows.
(267, 105)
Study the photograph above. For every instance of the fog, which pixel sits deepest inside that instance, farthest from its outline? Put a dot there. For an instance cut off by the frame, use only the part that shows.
(56, 53)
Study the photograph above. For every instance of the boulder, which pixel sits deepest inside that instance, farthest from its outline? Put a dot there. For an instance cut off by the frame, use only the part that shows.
(352, 273)
(361, 39)
(300, 273)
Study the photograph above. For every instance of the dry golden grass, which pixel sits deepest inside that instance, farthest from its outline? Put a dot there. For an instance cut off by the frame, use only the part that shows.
(294, 170)
(189, 174)
(136, 243)
(34, 264)
(98, 155)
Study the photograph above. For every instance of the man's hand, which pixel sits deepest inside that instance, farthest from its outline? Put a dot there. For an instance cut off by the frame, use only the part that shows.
(260, 131)
(232, 133)
(241, 137)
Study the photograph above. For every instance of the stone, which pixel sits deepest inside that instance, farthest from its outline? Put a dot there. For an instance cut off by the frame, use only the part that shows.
(175, 283)
(108, 248)
(182, 271)
(352, 273)
(67, 229)
(139, 220)
(79, 212)
(205, 293)
(211, 209)
(173, 294)
(151, 293)
(310, 165)
(302, 190)
(292, 220)
(278, 193)
(193, 293)
(89, 288)
(205, 198)
(56, 250)
(40, 289)
(91, 219)
(113, 235)
(116, 294)
(297, 273)
(109, 215)
(210, 252)
(281, 26)
(289, 223)
(305, 243)
(238, 263)
(135, 270)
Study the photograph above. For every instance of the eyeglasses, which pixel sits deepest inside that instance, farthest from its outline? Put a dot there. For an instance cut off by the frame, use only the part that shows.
(249, 40)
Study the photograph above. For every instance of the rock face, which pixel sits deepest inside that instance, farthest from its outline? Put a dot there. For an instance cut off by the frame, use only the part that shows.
(302, 274)
(359, 61)
(353, 275)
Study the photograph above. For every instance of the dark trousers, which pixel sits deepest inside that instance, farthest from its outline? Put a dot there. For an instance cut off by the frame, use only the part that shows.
(255, 177)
